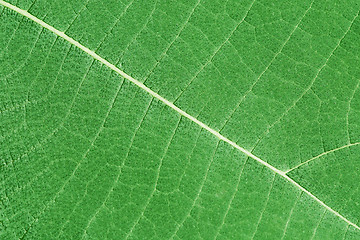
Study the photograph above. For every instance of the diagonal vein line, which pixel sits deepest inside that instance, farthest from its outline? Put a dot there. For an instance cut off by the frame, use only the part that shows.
(136, 82)
(322, 154)
(198, 192)
(172, 41)
(142, 214)
(170, 104)
(313, 80)
(270, 63)
(264, 208)
(217, 50)
(231, 200)
(317, 226)
(347, 229)
(290, 214)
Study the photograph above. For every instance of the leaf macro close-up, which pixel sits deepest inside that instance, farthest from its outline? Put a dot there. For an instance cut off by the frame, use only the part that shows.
(180, 119)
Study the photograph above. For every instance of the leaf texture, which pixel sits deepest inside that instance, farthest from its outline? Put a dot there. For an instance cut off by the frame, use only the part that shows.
(179, 119)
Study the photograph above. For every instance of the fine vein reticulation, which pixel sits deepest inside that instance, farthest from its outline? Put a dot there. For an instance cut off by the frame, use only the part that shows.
(181, 112)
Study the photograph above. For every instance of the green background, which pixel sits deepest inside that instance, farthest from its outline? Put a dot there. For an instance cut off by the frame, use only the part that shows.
(86, 154)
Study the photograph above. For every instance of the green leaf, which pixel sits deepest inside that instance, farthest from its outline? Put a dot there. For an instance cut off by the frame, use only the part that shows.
(179, 119)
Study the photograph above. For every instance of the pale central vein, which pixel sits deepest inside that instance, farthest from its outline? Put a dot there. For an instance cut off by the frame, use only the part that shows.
(170, 104)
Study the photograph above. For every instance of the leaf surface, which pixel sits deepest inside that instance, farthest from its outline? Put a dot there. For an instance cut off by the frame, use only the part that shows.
(179, 119)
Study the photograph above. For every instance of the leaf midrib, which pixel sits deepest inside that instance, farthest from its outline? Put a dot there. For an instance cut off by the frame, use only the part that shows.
(171, 105)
